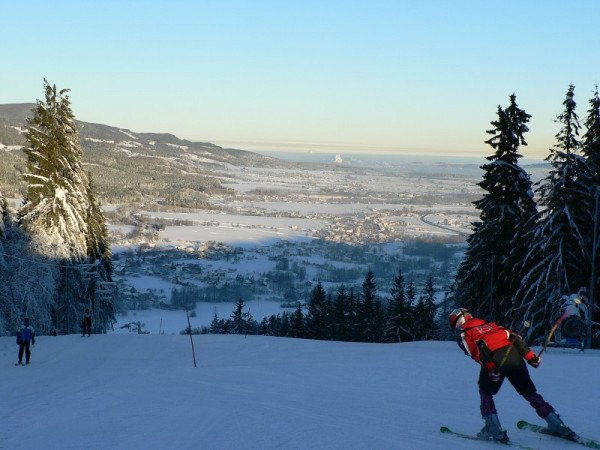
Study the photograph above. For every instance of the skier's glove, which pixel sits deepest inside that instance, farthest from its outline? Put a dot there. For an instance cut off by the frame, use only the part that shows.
(494, 376)
(489, 366)
(533, 360)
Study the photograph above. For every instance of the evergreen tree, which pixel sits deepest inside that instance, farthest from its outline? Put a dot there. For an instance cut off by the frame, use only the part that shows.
(62, 216)
(29, 281)
(316, 317)
(420, 320)
(55, 209)
(506, 205)
(237, 321)
(443, 331)
(411, 300)
(398, 312)
(214, 324)
(101, 287)
(427, 311)
(591, 138)
(296, 327)
(329, 316)
(591, 150)
(352, 316)
(339, 314)
(370, 312)
(558, 260)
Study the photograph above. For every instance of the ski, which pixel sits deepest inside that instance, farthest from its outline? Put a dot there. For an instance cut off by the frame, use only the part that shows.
(475, 438)
(590, 443)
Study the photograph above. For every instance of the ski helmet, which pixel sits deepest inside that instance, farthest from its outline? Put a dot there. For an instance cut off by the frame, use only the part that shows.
(458, 317)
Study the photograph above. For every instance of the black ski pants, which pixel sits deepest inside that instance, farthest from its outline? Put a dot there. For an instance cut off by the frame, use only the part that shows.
(24, 347)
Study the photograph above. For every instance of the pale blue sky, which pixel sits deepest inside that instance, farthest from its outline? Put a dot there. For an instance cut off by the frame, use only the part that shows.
(418, 76)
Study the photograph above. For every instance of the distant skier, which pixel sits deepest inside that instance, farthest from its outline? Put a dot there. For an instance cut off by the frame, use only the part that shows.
(500, 353)
(25, 338)
(86, 324)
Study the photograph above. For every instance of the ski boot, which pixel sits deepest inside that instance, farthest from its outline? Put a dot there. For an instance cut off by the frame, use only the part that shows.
(492, 430)
(557, 426)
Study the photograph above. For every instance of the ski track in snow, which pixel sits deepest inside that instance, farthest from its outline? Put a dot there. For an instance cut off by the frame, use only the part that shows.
(129, 391)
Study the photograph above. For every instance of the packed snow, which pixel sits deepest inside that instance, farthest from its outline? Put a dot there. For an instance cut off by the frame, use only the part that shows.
(132, 391)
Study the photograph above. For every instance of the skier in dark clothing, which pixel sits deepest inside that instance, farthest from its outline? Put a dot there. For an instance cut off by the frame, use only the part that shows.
(501, 354)
(86, 324)
(25, 338)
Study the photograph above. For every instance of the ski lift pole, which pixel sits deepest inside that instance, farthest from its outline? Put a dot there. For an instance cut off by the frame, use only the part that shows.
(190, 333)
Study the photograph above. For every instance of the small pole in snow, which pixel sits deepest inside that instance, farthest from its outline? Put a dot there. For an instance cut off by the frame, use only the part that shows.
(191, 340)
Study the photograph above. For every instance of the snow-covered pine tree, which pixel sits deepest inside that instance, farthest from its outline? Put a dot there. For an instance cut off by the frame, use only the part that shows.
(558, 260)
(591, 138)
(507, 204)
(98, 245)
(591, 150)
(28, 284)
(61, 215)
(56, 203)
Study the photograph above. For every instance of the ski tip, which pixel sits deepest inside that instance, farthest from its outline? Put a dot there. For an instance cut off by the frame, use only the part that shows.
(521, 424)
(445, 429)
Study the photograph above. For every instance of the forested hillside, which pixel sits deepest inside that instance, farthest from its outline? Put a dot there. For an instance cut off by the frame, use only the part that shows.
(128, 166)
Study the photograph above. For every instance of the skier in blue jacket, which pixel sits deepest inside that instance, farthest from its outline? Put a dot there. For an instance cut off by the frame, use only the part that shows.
(25, 338)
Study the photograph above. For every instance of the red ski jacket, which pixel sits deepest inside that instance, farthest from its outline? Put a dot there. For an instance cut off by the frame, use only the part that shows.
(479, 337)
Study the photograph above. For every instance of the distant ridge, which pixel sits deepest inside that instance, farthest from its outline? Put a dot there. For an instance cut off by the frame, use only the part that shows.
(13, 121)
(130, 166)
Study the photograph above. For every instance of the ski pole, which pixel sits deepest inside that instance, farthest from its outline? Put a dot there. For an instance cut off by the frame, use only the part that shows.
(556, 325)
(191, 340)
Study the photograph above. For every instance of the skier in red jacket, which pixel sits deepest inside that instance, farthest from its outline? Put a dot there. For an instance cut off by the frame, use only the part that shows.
(500, 352)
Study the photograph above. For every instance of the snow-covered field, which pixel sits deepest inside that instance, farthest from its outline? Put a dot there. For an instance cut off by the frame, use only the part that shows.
(242, 236)
(129, 391)
(172, 322)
